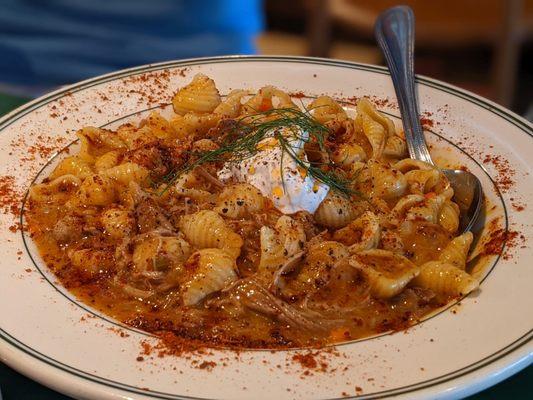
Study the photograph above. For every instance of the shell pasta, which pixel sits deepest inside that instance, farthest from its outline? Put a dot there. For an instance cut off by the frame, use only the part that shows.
(246, 219)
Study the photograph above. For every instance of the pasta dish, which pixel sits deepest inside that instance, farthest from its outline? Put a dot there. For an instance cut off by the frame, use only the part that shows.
(251, 221)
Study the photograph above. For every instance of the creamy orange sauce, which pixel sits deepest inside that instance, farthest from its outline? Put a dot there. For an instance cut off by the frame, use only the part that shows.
(120, 246)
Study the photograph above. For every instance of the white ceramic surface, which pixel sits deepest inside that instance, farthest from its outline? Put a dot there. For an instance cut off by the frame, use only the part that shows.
(49, 336)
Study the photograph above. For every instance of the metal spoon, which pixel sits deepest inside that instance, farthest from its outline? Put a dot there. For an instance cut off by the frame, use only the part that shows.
(394, 30)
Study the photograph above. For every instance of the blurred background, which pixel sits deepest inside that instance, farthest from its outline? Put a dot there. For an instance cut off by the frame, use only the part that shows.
(482, 45)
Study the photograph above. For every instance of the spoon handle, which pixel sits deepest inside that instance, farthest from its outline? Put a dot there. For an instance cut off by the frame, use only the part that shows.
(395, 31)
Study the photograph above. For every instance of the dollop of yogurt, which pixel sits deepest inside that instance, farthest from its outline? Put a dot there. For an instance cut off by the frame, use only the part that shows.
(278, 176)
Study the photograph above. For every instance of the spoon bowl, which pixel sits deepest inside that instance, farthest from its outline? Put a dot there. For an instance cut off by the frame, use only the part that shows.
(394, 31)
(468, 195)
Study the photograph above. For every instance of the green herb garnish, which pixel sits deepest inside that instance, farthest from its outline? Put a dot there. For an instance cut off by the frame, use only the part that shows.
(241, 140)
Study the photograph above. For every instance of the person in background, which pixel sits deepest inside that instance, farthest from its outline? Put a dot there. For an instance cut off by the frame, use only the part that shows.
(48, 43)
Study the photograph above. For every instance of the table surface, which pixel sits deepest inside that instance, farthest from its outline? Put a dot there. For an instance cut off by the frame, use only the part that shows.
(15, 386)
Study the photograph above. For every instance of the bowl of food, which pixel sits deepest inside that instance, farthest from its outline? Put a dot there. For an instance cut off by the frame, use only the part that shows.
(241, 227)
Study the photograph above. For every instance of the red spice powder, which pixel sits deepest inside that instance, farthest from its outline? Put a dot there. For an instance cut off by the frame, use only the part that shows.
(118, 331)
(426, 122)
(208, 365)
(377, 101)
(351, 100)
(172, 345)
(313, 360)
(146, 348)
(153, 87)
(380, 102)
(505, 177)
(499, 237)
(306, 360)
(517, 205)
(17, 226)
(298, 95)
(41, 150)
(10, 198)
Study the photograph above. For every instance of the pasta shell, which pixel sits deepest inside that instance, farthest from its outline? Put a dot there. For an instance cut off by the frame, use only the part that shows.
(280, 244)
(261, 101)
(387, 182)
(106, 161)
(193, 125)
(325, 109)
(326, 252)
(445, 279)
(239, 201)
(375, 134)
(128, 172)
(117, 223)
(207, 229)
(456, 251)
(97, 141)
(347, 131)
(337, 211)
(212, 270)
(231, 106)
(320, 259)
(429, 210)
(387, 273)
(59, 190)
(348, 154)
(273, 253)
(159, 126)
(199, 96)
(422, 181)
(282, 99)
(184, 187)
(154, 256)
(449, 216)
(405, 203)
(267, 98)
(72, 166)
(364, 106)
(361, 234)
(447, 193)
(135, 138)
(395, 147)
(409, 164)
(292, 234)
(97, 190)
(424, 177)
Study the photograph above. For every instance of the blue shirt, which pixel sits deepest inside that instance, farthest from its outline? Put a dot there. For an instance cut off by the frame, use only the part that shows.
(53, 42)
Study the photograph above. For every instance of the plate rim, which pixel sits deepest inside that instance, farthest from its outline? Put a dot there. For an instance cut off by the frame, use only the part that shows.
(420, 79)
(511, 117)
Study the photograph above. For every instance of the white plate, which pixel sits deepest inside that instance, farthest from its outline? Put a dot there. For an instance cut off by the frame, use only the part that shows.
(49, 336)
